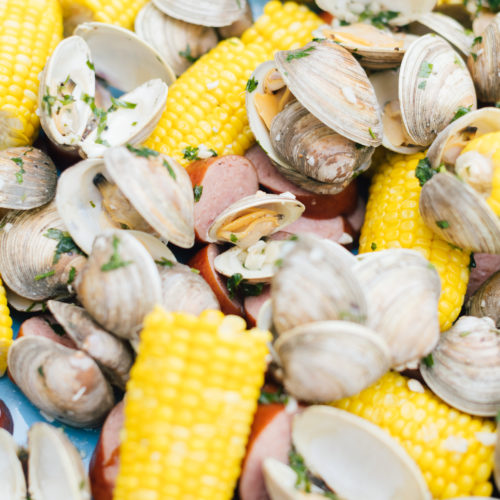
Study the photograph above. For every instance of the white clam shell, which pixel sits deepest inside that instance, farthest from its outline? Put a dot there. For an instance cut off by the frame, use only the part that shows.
(486, 300)
(11, 470)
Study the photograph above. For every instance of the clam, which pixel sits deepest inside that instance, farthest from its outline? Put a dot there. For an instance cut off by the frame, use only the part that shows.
(402, 291)
(433, 84)
(346, 456)
(484, 61)
(63, 383)
(55, 468)
(326, 361)
(68, 112)
(132, 188)
(486, 300)
(316, 277)
(465, 367)
(203, 12)
(112, 355)
(238, 27)
(27, 178)
(119, 284)
(11, 470)
(326, 138)
(38, 256)
(179, 43)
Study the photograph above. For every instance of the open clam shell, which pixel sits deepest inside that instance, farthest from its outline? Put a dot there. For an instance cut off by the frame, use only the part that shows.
(27, 178)
(112, 355)
(55, 468)
(329, 360)
(433, 84)
(486, 300)
(204, 12)
(402, 291)
(119, 284)
(11, 470)
(179, 43)
(247, 220)
(465, 371)
(63, 383)
(316, 277)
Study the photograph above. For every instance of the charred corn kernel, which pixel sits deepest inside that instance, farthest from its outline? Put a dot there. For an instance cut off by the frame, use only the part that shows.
(206, 105)
(119, 12)
(488, 146)
(393, 221)
(454, 450)
(31, 29)
(189, 406)
(5, 330)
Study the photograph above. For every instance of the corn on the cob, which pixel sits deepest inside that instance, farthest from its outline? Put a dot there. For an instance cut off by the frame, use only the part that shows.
(31, 29)
(452, 449)
(120, 12)
(190, 400)
(488, 145)
(5, 330)
(206, 105)
(392, 220)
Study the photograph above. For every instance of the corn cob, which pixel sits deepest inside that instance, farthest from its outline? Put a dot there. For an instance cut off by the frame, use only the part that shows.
(432, 433)
(206, 105)
(488, 145)
(31, 29)
(5, 330)
(189, 406)
(392, 220)
(119, 12)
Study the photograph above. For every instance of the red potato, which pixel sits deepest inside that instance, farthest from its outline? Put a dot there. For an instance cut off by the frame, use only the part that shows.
(204, 262)
(6, 421)
(105, 462)
(252, 305)
(40, 326)
(486, 265)
(318, 206)
(225, 180)
(271, 436)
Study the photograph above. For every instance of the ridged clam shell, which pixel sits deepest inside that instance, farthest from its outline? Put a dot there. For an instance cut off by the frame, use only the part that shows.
(486, 300)
(11, 470)
(465, 371)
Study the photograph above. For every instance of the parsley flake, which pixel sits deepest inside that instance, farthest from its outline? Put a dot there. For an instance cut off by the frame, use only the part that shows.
(65, 243)
(267, 398)
(300, 54)
(71, 275)
(373, 135)
(170, 169)
(144, 151)
(164, 262)
(187, 54)
(428, 361)
(252, 84)
(461, 111)
(115, 261)
(48, 274)
(236, 284)
(19, 174)
(117, 103)
(90, 64)
(443, 224)
(233, 238)
(197, 191)
(424, 171)
(425, 69)
(40, 371)
(373, 246)
(190, 153)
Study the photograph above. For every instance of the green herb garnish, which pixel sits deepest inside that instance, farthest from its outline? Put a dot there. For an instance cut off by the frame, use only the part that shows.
(233, 238)
(187, 54)
(425, 69)
(443, 224)
(71, 276)
(373, 135)
(476, 40)
(40, 371)
(117, 103)
(115, 261)
(65, 243)
(461, 111)
(252, 84)
(299, 467)
(267, 398)
(424, 171)
(19, 174)
(144, 151)
(373, 246)
(190, 153)
(170, 169)
(300, 54)
(164, 262)
(48, 274)
(197, 191)
(236, 284)
(90, 64)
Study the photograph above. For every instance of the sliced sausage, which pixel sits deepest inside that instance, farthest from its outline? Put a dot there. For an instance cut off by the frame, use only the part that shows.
(6, 421)
(318, 206)
(337, 229)
(105, 461)
(271, 436)
(486, 265)
(204, 262)
(224, 180)
(44, 327)
(252, 305)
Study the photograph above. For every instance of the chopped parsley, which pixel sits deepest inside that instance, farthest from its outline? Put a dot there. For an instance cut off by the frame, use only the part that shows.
(197, 191)
(48, 274)
(115, 261)
(170, 169)
(187, 54)
(71, 276)
(461, 111)
(474, 56)
(300, 54)
(190, 153)
(299, 467)
(164, 262)
(278, 262)
(90, 64)
(494, 5)
(233, 238)
(381, 20)
(252, 84)
(425, 69)
(373, 135)
(422, 84)
(428, 361)
(194, 270)
(477, 40)
(117, 103)
(236, 284)
(424, 171)
(267, 398)
(65, 243)
(373, 246)
(40, 371)
(144, 151)
(49, 101)
(92, 204)
(19, 174)
(443, 224)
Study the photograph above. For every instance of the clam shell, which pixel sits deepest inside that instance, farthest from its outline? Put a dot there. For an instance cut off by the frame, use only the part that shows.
(316, 277)
(27, 178)
(119, 299)
(286, 207)
(472, 225)
(28, 254)
(486, 300)
(238, 27)
(402, 291)
(484, 62)
(65, 384)
(113, 356)
(329, 360)
(55, 468)
(465, 372)
(204, 12)
(11, 470)
(157, 249)
(172, 38)
(433, 84)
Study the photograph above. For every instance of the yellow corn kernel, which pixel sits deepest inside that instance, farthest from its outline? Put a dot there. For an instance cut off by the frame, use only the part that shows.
(488, 145)
(451, 448)
(31, 29)
(119, 12)
(5, 330)
(393, 221)
(189, 406)
(206, 105)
